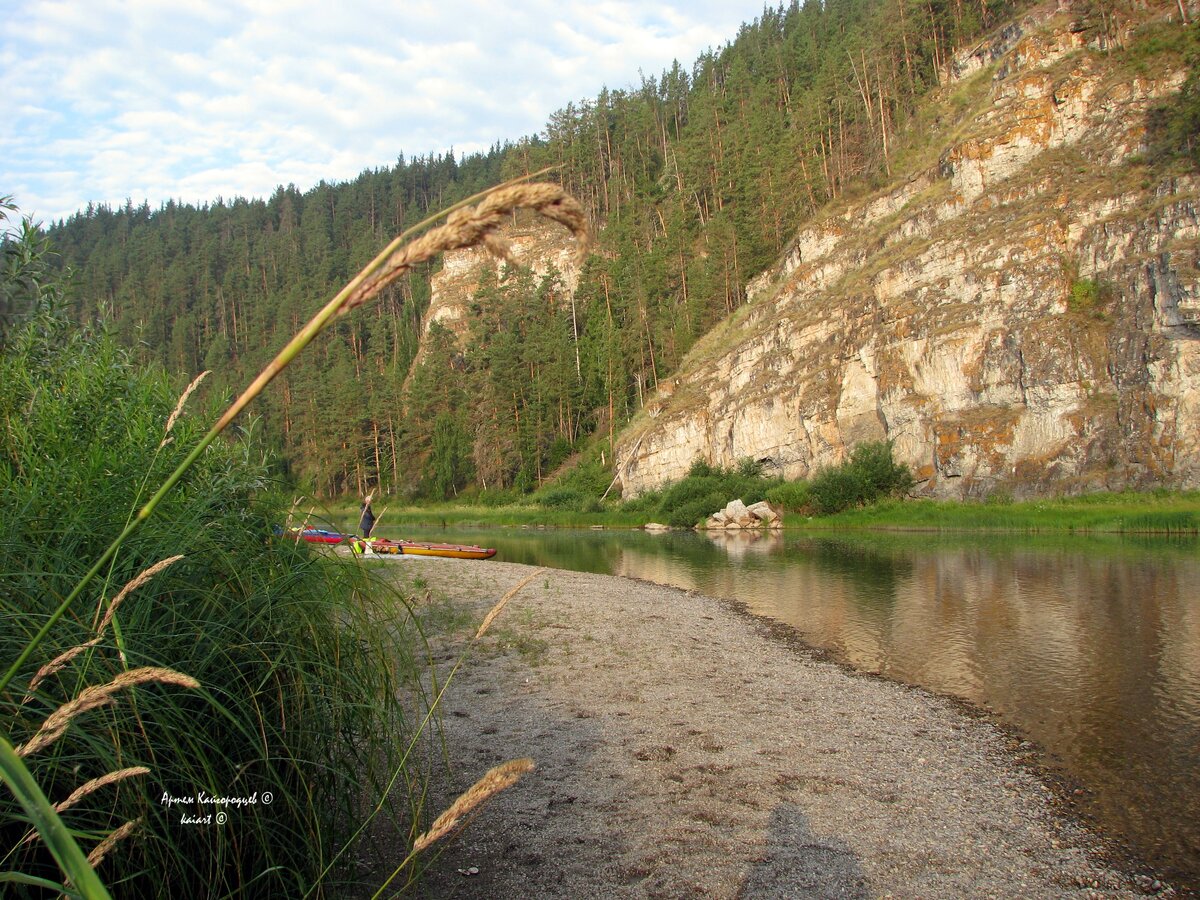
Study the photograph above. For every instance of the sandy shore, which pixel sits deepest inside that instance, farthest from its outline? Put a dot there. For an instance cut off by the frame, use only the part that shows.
(684, 749)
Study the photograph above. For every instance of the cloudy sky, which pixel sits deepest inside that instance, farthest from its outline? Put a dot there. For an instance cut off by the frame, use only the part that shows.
(103, 100)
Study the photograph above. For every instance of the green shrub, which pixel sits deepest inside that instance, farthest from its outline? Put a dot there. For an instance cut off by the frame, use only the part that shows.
(560, 498)
(590, 478)
(298, 695)
(881, 474)
(643, 503)
(749, 468)
(867, 476)
(707, 489)
(695, 510)
(1088, 297)
(494, 498)
(836, 489)
(792, 496)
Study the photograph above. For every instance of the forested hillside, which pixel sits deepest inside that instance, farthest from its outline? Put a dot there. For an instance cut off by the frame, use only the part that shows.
(696, 179)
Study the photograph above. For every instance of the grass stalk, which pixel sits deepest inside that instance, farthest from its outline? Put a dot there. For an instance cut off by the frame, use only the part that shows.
(57, 837)
(429, 713)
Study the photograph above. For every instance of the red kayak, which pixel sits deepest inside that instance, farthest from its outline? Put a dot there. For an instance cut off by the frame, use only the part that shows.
(317, 535)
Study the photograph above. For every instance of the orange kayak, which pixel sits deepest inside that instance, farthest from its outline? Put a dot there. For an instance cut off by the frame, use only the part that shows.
(420, 548)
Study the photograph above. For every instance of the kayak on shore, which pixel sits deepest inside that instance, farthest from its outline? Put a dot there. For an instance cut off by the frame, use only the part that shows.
(382, 545)
(422, 548)
(316, 535)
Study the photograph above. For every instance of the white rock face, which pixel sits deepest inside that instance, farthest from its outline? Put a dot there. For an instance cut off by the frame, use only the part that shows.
(941, 315)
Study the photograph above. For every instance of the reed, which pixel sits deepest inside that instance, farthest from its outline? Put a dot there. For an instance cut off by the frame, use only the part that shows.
(96, 696)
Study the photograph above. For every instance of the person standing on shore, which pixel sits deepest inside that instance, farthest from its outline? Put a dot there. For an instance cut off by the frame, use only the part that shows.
(367, 520)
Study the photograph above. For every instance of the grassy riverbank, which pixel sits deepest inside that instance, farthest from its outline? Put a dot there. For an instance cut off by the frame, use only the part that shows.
(258, 685)
(1162, 512)
(868, 490)
(1165, 512)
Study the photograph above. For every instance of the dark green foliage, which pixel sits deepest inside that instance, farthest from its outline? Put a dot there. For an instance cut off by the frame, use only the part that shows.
(869, 475)
(643, 504)
(707, 489)
(836, 489)
(590, 477)
(792, 496)
(449, 457)
(495, 498)
(881, 474)
(298, 696)
(561, 498)
(749, 468)
(225, 285)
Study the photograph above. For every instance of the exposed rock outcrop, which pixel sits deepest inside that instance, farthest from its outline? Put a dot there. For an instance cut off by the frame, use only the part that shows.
(1023, 314)
(737, 515)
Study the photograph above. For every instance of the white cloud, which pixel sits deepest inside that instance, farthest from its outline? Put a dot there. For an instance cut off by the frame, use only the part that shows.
(104, 100)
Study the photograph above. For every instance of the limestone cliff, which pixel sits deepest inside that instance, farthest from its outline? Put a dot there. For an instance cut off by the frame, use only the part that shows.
(1022, 314)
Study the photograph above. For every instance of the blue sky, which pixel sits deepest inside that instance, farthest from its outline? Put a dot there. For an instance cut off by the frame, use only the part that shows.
(104, 100)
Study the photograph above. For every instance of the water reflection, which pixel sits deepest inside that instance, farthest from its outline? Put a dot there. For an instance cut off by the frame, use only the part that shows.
(1091, 647)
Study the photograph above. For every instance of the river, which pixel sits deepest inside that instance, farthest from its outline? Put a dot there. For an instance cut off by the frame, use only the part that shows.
(1088, 647)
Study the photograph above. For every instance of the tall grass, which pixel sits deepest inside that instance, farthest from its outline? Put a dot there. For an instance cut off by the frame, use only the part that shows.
(300, 682)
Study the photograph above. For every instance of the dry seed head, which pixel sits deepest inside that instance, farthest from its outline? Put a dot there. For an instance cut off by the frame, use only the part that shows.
(132, 586)
(102, 849)
(96, 696)
(174, 417)
(495, 610)
(57, 664)
(502, 776)
(96, 783)
(475, 225)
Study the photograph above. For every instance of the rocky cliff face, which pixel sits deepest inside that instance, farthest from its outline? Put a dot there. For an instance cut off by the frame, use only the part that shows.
(1023, 315)
(537, 243)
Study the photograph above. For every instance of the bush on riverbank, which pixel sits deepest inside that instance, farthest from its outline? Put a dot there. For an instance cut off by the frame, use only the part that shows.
(299, 675)
(704, 490)
(869, 475)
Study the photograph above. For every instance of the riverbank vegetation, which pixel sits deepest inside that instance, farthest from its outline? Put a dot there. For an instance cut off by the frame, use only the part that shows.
(298, 679)
(1155, 512)
(290, 687)
(868, 491)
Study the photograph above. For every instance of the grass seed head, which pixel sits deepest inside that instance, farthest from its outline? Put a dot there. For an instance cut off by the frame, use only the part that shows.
(497, 779)
(96, 696)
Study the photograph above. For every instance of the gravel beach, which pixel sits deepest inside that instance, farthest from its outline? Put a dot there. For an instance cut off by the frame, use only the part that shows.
(684, 748)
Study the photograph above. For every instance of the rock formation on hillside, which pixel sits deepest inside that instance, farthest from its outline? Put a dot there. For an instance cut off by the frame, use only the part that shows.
(1022, 315)
(535, 242)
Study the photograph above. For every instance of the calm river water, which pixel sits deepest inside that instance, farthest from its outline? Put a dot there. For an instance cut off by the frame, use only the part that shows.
(1089, 647)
